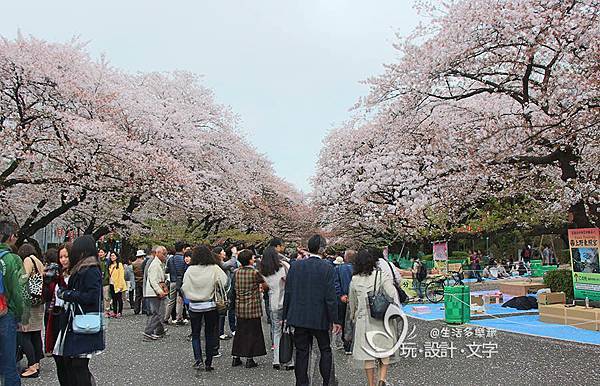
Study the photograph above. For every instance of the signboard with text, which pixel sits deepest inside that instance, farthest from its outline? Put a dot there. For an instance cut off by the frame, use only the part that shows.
(583, 244)
(440, 251)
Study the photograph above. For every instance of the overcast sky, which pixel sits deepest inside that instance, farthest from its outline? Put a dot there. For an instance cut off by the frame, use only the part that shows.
(289, 69)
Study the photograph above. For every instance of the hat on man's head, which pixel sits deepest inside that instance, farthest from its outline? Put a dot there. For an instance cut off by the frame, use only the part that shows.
(339, 260)
(140, 253)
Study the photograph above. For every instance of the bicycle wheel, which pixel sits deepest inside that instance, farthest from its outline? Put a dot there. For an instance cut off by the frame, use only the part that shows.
(435, 291)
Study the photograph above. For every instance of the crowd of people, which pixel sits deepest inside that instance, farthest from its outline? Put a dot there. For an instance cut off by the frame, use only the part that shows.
(47, 298)
(316, 296)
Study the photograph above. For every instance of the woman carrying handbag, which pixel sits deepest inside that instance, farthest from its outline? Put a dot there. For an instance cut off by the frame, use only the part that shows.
(200, 282)
(370, 294)
(81, 331)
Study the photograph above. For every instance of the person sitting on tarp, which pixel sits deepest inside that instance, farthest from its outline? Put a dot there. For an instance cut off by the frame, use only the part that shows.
(501, 271)
(486, 272)
(522, 269)
(514, 271)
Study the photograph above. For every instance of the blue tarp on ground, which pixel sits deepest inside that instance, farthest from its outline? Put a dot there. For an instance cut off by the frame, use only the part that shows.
(531, 325)
(436, 311)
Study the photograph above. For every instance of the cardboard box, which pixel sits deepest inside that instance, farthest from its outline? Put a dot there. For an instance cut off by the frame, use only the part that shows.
(552, 298)
(552, 319)
(591, 325)
(582, 317)
(556, 310)
(477, 300)
(520, 288)
(496, 298)
(476, 309)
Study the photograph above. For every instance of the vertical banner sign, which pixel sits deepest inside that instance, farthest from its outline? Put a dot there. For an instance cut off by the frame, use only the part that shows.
(584, 245)
(440, 251)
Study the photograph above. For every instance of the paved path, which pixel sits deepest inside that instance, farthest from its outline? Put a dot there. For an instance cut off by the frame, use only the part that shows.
(520, 360)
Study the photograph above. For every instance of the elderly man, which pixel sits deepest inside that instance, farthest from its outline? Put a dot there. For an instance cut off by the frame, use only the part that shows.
(156, 291)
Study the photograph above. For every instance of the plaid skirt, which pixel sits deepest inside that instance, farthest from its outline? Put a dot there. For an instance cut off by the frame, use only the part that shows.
(248, 341)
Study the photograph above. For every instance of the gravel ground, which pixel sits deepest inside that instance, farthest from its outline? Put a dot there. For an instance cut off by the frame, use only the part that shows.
(520, 360)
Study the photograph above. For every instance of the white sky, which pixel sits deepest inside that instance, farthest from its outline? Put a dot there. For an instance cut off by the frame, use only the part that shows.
(290, 69)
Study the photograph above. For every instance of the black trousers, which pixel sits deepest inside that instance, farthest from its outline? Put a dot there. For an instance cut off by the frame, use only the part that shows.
(73, 371)
(32, 346)
(137, 302)
(342, 308)
(303, 338)
(117, 300)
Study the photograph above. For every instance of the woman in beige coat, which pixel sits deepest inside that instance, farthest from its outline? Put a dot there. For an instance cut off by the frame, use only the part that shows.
(370, 335)
(31, 333)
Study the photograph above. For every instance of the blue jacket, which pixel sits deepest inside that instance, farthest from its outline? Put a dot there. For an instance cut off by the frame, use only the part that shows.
(84, 289)
(343, 276)
(309, 299)
(176, 267)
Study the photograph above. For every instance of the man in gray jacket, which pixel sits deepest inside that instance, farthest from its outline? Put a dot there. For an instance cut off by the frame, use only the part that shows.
(155, 292)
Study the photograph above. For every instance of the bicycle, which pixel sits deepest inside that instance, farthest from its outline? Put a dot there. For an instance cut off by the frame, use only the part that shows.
(434, 289)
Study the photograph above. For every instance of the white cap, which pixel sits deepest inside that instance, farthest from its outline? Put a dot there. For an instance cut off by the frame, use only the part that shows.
(140, 253)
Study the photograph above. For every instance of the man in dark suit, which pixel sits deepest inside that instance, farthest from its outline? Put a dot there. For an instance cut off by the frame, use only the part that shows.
(310, 306)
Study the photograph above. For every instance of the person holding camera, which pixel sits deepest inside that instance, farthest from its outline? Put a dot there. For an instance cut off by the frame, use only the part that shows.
(56, 275)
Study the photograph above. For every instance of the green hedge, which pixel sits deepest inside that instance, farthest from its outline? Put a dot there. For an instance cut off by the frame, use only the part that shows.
(560, 280)
(459, 255)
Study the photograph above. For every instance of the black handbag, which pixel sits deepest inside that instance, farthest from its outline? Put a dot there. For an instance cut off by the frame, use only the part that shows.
(379, 301)
(286, 345)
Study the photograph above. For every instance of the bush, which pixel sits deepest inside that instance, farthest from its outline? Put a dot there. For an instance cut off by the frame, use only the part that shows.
(560, 280)
(455, 255)
(427, 257)
(564, 256)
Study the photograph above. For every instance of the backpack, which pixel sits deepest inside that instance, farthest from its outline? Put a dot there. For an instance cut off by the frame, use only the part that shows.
(421, 272)
(3, 299)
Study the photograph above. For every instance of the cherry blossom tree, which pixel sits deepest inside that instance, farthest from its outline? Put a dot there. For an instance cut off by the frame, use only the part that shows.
(492, 100)
(84, 141)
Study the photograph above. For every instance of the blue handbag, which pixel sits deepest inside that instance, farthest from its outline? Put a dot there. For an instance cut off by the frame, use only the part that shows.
(90, 323)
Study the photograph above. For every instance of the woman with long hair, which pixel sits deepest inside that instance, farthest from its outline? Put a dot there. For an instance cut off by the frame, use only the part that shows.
(31, 333)
(368, 277)
(56, 276)
(198, 288)
(274, 271)
(83, 295)
(117, 284)
(248, 341)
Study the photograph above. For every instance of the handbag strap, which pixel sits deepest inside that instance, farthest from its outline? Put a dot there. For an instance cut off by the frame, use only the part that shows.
(393, 274)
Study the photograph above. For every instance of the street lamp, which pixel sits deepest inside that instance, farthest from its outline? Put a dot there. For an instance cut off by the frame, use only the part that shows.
(78, 224)
(487, 246)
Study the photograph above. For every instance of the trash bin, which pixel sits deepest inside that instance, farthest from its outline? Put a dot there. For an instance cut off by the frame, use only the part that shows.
(457, 304)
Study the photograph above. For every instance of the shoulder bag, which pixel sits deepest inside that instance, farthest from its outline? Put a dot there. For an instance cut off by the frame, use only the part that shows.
(34, 285)
(90, 323)
(220, 296)
(379, 301)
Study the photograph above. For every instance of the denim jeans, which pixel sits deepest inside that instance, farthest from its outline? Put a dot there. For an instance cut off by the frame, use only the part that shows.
(417, 286)
(8, 351)
(210, 334)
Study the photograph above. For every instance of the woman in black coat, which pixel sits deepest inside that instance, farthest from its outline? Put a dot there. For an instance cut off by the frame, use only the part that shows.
(73, 351)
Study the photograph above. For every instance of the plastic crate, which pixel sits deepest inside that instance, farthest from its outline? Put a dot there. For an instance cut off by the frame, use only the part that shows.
(457, 304)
